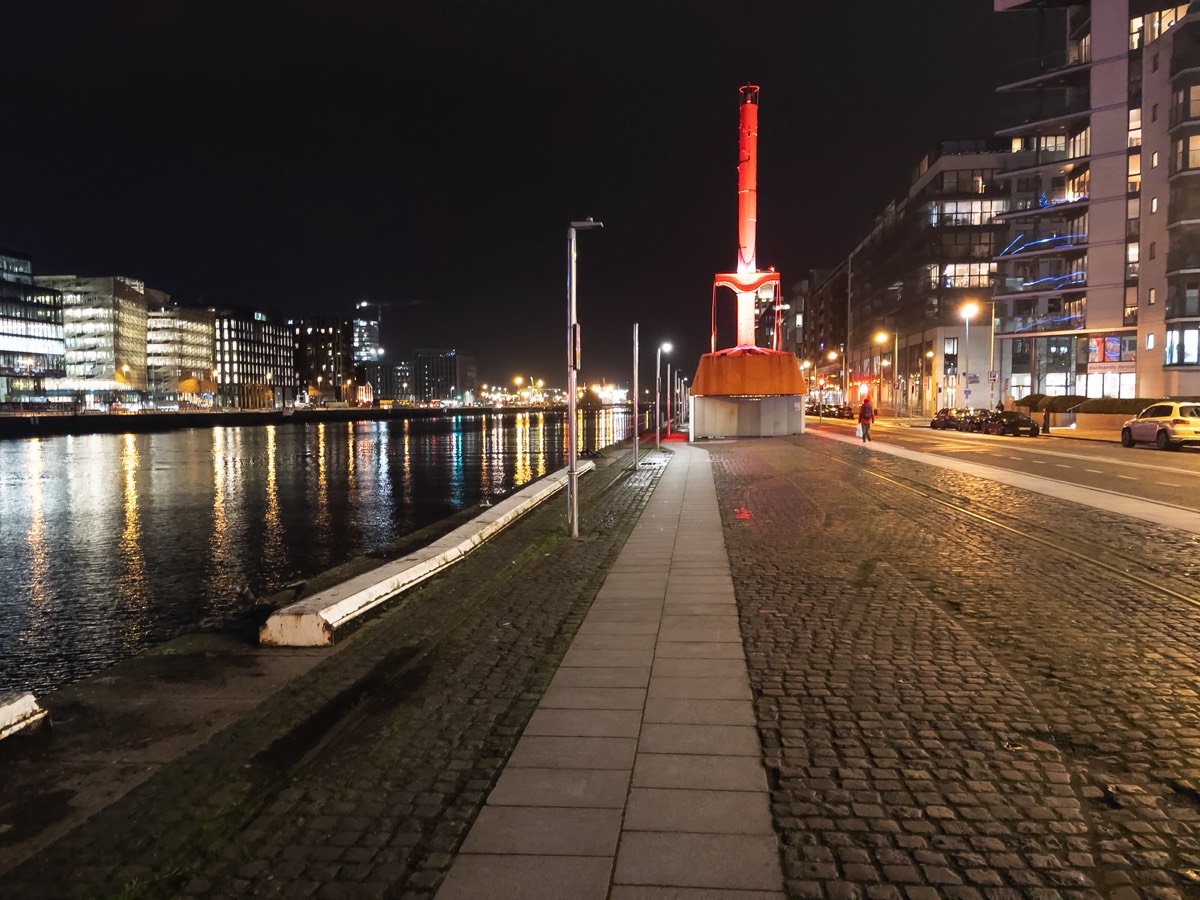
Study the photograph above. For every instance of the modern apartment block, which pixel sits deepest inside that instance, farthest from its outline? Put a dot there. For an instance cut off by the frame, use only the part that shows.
(254, 360)
(104, 331)
(1098, 284)
(904, 319)
(323, 351)
(31, 330)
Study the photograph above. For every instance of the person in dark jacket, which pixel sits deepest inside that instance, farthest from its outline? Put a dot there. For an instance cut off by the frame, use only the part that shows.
(866, 415)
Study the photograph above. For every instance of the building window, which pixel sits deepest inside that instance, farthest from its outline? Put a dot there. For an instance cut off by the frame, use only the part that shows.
(1154, 160)
(1149, 340)
(1135, 172)
(1154, 113)
(1135, 127)
(1153, 249)
(1153, 204)
(1152, 297)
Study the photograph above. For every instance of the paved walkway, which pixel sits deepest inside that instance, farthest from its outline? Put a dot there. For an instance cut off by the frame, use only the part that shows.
(640, 772)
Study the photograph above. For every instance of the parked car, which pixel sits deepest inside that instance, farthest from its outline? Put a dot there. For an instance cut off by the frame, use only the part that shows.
(1168, 425)
(975, 420)
(1013, 423)
(949, 418)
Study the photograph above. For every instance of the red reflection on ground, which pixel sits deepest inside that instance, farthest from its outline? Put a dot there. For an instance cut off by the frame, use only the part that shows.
(741, 513)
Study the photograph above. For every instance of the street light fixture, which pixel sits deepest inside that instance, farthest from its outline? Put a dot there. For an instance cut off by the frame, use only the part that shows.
(662, 348)
(573, 365)
(968, 312)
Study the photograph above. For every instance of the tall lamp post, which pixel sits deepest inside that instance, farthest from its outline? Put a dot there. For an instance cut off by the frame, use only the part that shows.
(932, 403)
(662, 348)
(968, 311)
(881, 338)
(573, 350)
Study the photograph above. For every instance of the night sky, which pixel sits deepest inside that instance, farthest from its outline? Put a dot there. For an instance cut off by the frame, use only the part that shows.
(301, 156)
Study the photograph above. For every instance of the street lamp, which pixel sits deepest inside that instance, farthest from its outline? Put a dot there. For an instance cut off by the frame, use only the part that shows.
(662, 348)
(929, 356)
(968, 311)
(573, 352)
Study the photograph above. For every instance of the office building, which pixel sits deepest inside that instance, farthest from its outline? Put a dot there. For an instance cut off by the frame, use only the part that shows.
(435, 376)
(180, 352)
(32, 347)
(254, 360)
(104, 332)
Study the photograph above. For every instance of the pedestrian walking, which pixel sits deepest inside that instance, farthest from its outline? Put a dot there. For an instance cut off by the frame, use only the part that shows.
(1000, 406)
(1046, 420)
(866, 415)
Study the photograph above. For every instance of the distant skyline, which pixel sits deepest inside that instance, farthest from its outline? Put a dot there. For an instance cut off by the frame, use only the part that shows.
(302, 157)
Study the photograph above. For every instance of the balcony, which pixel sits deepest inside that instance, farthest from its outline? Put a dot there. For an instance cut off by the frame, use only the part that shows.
(1012, 285)
(1035, 243)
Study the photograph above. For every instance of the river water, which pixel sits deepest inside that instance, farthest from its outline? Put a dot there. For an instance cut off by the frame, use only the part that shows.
(112, 543)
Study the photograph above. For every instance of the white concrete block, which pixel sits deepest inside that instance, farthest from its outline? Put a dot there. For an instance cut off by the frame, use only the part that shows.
(312, 621)
(18, 711)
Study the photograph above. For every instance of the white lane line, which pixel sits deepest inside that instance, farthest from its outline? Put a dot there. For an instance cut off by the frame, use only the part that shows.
(1094, 471)
(1167, 484)
(1062, 466)
(1127, 477)
(1038, 462)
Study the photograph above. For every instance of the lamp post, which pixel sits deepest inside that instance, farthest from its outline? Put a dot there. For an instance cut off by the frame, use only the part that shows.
(968, 311)
(573, 351)
(881, 339)
(634, 394)
(271, 387)
(932, 404)
(662, 348)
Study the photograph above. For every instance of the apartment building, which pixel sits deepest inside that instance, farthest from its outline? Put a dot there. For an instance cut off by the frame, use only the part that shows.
(1098, 285)
(905, 319)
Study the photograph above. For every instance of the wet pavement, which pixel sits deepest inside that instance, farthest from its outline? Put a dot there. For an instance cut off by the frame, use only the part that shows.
(941, 707)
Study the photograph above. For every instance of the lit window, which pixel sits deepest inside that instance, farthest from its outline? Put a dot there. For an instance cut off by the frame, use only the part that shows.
(1153, 204)
(1150, 340)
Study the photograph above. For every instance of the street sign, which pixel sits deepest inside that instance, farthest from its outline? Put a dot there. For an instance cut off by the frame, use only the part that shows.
(993, 376)
(967, 392)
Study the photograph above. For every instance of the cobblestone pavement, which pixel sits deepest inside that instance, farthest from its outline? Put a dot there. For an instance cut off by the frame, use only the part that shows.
(950, 709)
(361, 778)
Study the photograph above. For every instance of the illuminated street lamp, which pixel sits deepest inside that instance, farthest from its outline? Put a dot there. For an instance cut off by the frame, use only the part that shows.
(662, 348)
(573, 365)
(968, 312)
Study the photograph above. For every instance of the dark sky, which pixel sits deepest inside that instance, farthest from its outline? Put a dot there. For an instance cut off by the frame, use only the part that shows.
(300, 156)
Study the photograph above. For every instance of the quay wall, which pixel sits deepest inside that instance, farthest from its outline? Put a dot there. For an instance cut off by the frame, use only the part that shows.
(55, 424)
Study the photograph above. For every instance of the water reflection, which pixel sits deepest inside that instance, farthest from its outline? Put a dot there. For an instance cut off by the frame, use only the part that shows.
(39, 552)
(98, 567)
(273, 549)
(131, 587)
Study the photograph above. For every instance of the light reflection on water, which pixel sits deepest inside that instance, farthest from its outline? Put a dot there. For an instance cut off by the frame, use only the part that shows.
(111, 543)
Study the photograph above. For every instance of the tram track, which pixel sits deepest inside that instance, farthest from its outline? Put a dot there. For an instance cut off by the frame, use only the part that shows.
(1148, 574)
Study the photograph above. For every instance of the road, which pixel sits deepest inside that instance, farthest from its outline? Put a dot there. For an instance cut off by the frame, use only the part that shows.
(1171, 478)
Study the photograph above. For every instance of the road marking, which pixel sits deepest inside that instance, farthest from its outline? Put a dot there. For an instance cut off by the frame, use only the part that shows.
(1038, 462)
(1094, 471)
(1062, 466)
(1167, 484)
(1127, 477)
